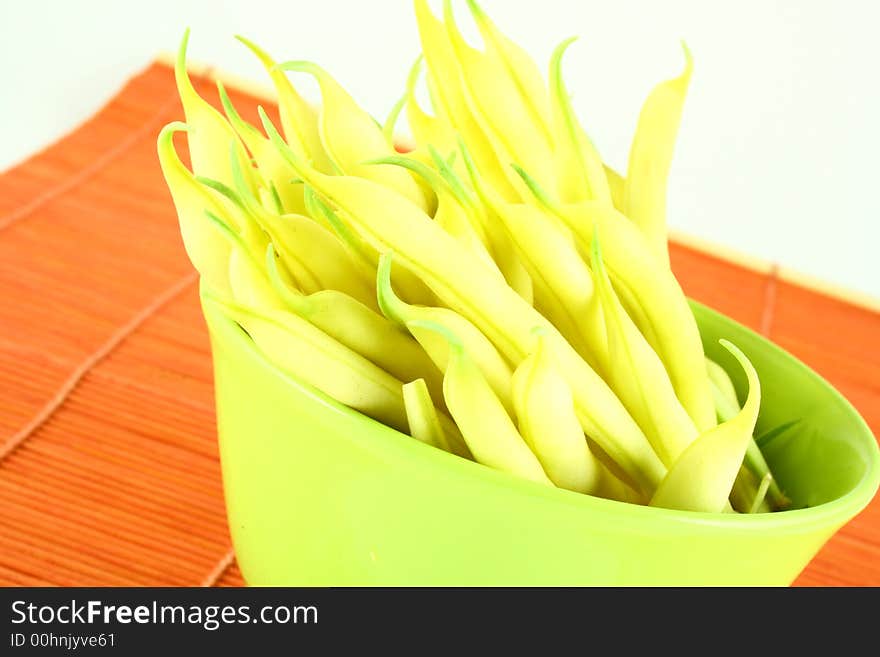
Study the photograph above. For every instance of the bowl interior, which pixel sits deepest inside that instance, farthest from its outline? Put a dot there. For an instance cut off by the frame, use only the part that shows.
(827, 451)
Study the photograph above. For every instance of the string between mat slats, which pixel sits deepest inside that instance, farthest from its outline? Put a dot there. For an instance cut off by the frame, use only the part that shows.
(100, 354)
(220, 569)
(769, 309)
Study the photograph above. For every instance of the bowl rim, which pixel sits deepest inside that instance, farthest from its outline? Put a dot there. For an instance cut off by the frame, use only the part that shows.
(841, 509)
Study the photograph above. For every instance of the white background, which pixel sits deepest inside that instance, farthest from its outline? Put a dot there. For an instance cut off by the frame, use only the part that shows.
(778, 152)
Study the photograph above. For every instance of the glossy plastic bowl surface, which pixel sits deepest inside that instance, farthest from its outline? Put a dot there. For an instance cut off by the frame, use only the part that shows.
(320, 495)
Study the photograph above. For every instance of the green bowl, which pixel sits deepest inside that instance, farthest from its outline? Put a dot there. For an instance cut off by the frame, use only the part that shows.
(319, 495)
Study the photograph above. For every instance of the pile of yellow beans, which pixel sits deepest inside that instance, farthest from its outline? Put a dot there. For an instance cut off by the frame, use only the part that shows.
(497, 292)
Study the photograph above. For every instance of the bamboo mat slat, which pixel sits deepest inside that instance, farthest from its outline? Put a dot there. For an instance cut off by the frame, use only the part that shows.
(109, 472)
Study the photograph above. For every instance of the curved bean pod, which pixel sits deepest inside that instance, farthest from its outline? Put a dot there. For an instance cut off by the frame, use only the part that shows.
(350, 136)
(299, 119)
(210, 134)
(271, 167)
(547, 421)
(637, 374)
(310, 355)
(498, 107)
(450, 99)
(520, 67)
(207, 249)
(703, 476)
(650, 293)
(579, 170)
(484, 423)
(479, 348)
(650, 158)
(359, 328)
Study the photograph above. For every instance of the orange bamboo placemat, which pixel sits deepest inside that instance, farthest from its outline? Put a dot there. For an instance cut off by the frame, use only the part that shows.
(109, 472)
